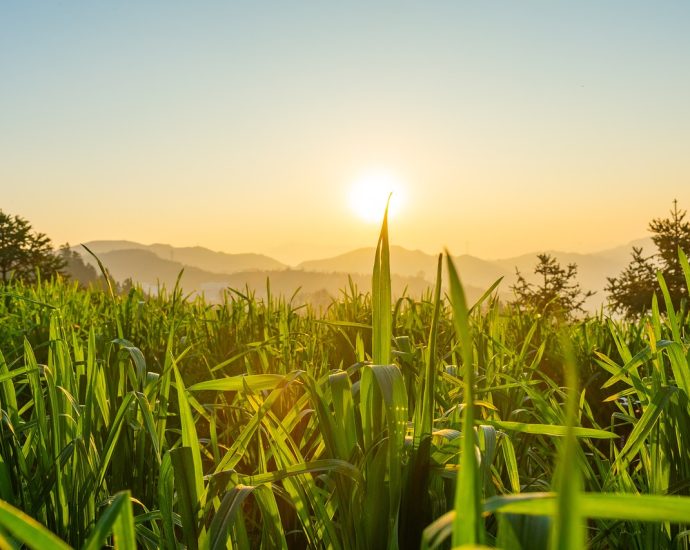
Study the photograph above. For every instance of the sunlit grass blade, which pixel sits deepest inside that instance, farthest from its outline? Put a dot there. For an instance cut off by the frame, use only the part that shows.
(111, 292)
(613, 506)
(486, 294)
(27, 530)
(686, 268)
(381, 298)
(190, 438)
(123, 530)
(324, 465)
(383, 396)
(165, 493)
(568, 528)
(116, 520)
(468, 526)
(550, 429)
(187, 495)
(642, 428)
(256, 382)
(231, 504)
(670, 311)
(113, 437)
(415, 512)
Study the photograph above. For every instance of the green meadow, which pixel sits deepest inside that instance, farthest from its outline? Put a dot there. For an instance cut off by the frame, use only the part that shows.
(132, 420)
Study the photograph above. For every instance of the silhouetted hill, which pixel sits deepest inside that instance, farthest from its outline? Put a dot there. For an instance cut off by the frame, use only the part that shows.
(194, 256)
(207, 271)
(148, 269)
(622, 253)
(409, 263)
(593, 269)
(145, 267)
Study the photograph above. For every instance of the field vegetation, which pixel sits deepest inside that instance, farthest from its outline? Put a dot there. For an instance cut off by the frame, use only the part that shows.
(129, 420)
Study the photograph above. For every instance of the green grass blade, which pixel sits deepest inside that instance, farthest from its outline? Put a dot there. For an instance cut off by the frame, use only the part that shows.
(123, 529)
(415, 511)
(686, 268)
(187, 496)
(468, 527)
(670, 311)
(223, 518)
(116, 520)
(165, 493)
(568, 527)
(190, 438)
(27, 530)
(611, 506)
(486, 294)
(643, 427)
(383, 396)
(549, 429)
(381, 299)
(256, 382)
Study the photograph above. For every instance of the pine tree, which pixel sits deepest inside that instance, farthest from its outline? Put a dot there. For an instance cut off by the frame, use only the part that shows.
(631, 292)
(557, 294)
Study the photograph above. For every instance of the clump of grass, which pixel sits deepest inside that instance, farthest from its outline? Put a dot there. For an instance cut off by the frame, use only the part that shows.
(159, 421)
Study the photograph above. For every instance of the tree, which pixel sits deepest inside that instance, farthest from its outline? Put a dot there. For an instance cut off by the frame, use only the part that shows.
(76, 268)
(25, 253)
(631, 292)
(557, 293)
(671, 235)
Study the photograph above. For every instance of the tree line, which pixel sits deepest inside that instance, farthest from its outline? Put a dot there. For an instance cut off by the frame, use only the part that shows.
(631, 292)
(28, 255)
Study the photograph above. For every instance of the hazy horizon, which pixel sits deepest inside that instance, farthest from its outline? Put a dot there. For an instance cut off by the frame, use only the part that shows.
(295, 261)
(502, 128)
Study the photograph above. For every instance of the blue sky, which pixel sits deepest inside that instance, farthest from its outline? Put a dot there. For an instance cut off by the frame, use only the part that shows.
(241, 126)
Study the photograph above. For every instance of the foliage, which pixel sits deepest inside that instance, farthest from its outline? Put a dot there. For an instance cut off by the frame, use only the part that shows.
(24, 253)
(556, 294)
(631, 292)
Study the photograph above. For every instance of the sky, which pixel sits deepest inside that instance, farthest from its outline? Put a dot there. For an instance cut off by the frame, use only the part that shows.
(502, 127)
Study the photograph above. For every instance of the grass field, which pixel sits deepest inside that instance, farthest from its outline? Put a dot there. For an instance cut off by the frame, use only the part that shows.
(161, 422)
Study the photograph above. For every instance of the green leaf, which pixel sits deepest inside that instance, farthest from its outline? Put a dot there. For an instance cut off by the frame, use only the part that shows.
(256, 382)
(165, 500)
(224, 516)
(612, 506)
(190, 438)
(123, 529)
(27, 530)
(548, 429)
(568, 527)
(116, 520)
(642, 428)
(187, 495)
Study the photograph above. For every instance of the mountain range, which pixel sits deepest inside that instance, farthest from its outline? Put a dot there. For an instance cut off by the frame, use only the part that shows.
(316, 281)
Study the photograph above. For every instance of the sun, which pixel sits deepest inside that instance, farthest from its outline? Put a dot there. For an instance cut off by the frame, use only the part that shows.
(370, 191)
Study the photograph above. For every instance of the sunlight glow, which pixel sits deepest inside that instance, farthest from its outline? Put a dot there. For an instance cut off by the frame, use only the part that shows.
(370, 191)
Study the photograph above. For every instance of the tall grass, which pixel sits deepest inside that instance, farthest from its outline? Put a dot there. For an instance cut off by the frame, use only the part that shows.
(162, 422)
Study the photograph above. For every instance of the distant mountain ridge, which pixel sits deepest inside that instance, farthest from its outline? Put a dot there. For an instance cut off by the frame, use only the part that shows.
(406, 262)
(145, 265)
(196, 256)
(208, 271)
(593, 268)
